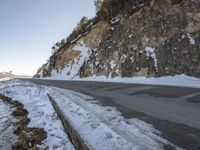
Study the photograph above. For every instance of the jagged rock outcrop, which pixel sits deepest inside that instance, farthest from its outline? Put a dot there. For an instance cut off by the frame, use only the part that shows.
(161, 37)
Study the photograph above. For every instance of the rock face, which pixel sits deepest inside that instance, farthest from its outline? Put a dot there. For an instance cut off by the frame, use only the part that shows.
(160, 38)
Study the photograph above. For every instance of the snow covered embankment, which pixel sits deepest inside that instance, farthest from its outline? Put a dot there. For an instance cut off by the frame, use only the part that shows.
(104, 127)
(41, 112)
(178, 80)
(7, 137)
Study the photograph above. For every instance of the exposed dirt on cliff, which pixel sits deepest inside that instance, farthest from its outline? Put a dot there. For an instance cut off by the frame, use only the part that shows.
(159, 39)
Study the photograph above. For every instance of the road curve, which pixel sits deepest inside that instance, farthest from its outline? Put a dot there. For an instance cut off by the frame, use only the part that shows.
(175, 111)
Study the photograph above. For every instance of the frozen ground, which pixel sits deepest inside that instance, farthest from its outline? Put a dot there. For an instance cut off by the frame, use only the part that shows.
(7, 138)
(100, 127)
(41, 112)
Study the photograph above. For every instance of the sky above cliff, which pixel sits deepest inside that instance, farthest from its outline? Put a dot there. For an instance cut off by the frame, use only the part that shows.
(29, 28)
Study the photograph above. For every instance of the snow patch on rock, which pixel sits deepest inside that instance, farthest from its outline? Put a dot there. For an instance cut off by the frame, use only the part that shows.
(151, 53)
(72, 69)
(191, 39)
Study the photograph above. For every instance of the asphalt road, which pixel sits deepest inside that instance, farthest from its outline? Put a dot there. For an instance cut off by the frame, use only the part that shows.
(175, 111)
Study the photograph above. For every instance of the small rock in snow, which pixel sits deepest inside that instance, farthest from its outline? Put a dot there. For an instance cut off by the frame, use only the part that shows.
(109, 135)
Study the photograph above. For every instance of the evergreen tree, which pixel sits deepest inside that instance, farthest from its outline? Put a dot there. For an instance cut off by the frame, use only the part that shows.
(107, 9)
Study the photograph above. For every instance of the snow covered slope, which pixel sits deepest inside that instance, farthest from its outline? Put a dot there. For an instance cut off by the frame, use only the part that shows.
(41, 112)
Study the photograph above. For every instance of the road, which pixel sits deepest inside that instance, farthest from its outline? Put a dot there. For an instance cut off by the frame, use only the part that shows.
(175, 111)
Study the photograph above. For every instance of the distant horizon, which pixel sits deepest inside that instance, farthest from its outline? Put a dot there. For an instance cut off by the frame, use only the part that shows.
(30, 28)
(10, 72)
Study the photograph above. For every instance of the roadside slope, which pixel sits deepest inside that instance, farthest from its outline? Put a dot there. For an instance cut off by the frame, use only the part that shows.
(159, 38)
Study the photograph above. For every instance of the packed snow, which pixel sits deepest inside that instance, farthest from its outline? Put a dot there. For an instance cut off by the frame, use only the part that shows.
(177, 80)
(7, 137)
(41, 112)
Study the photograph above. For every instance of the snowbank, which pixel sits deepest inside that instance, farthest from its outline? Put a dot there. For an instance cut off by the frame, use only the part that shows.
(41, 112)
(104, 127)
(7, 137)
(178, 80)
(5, 79)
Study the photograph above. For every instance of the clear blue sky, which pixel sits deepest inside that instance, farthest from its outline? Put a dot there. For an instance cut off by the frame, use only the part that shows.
(29, 28)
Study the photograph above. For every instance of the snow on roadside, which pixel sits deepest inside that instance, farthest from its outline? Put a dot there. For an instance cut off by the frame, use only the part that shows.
(40, 110)
(97, 135)
(7, 137)
(177, 80)
(72, 69)
(111, 130)
(4, 79)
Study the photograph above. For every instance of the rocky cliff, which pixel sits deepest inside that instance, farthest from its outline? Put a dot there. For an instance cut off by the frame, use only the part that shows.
(159, 38)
